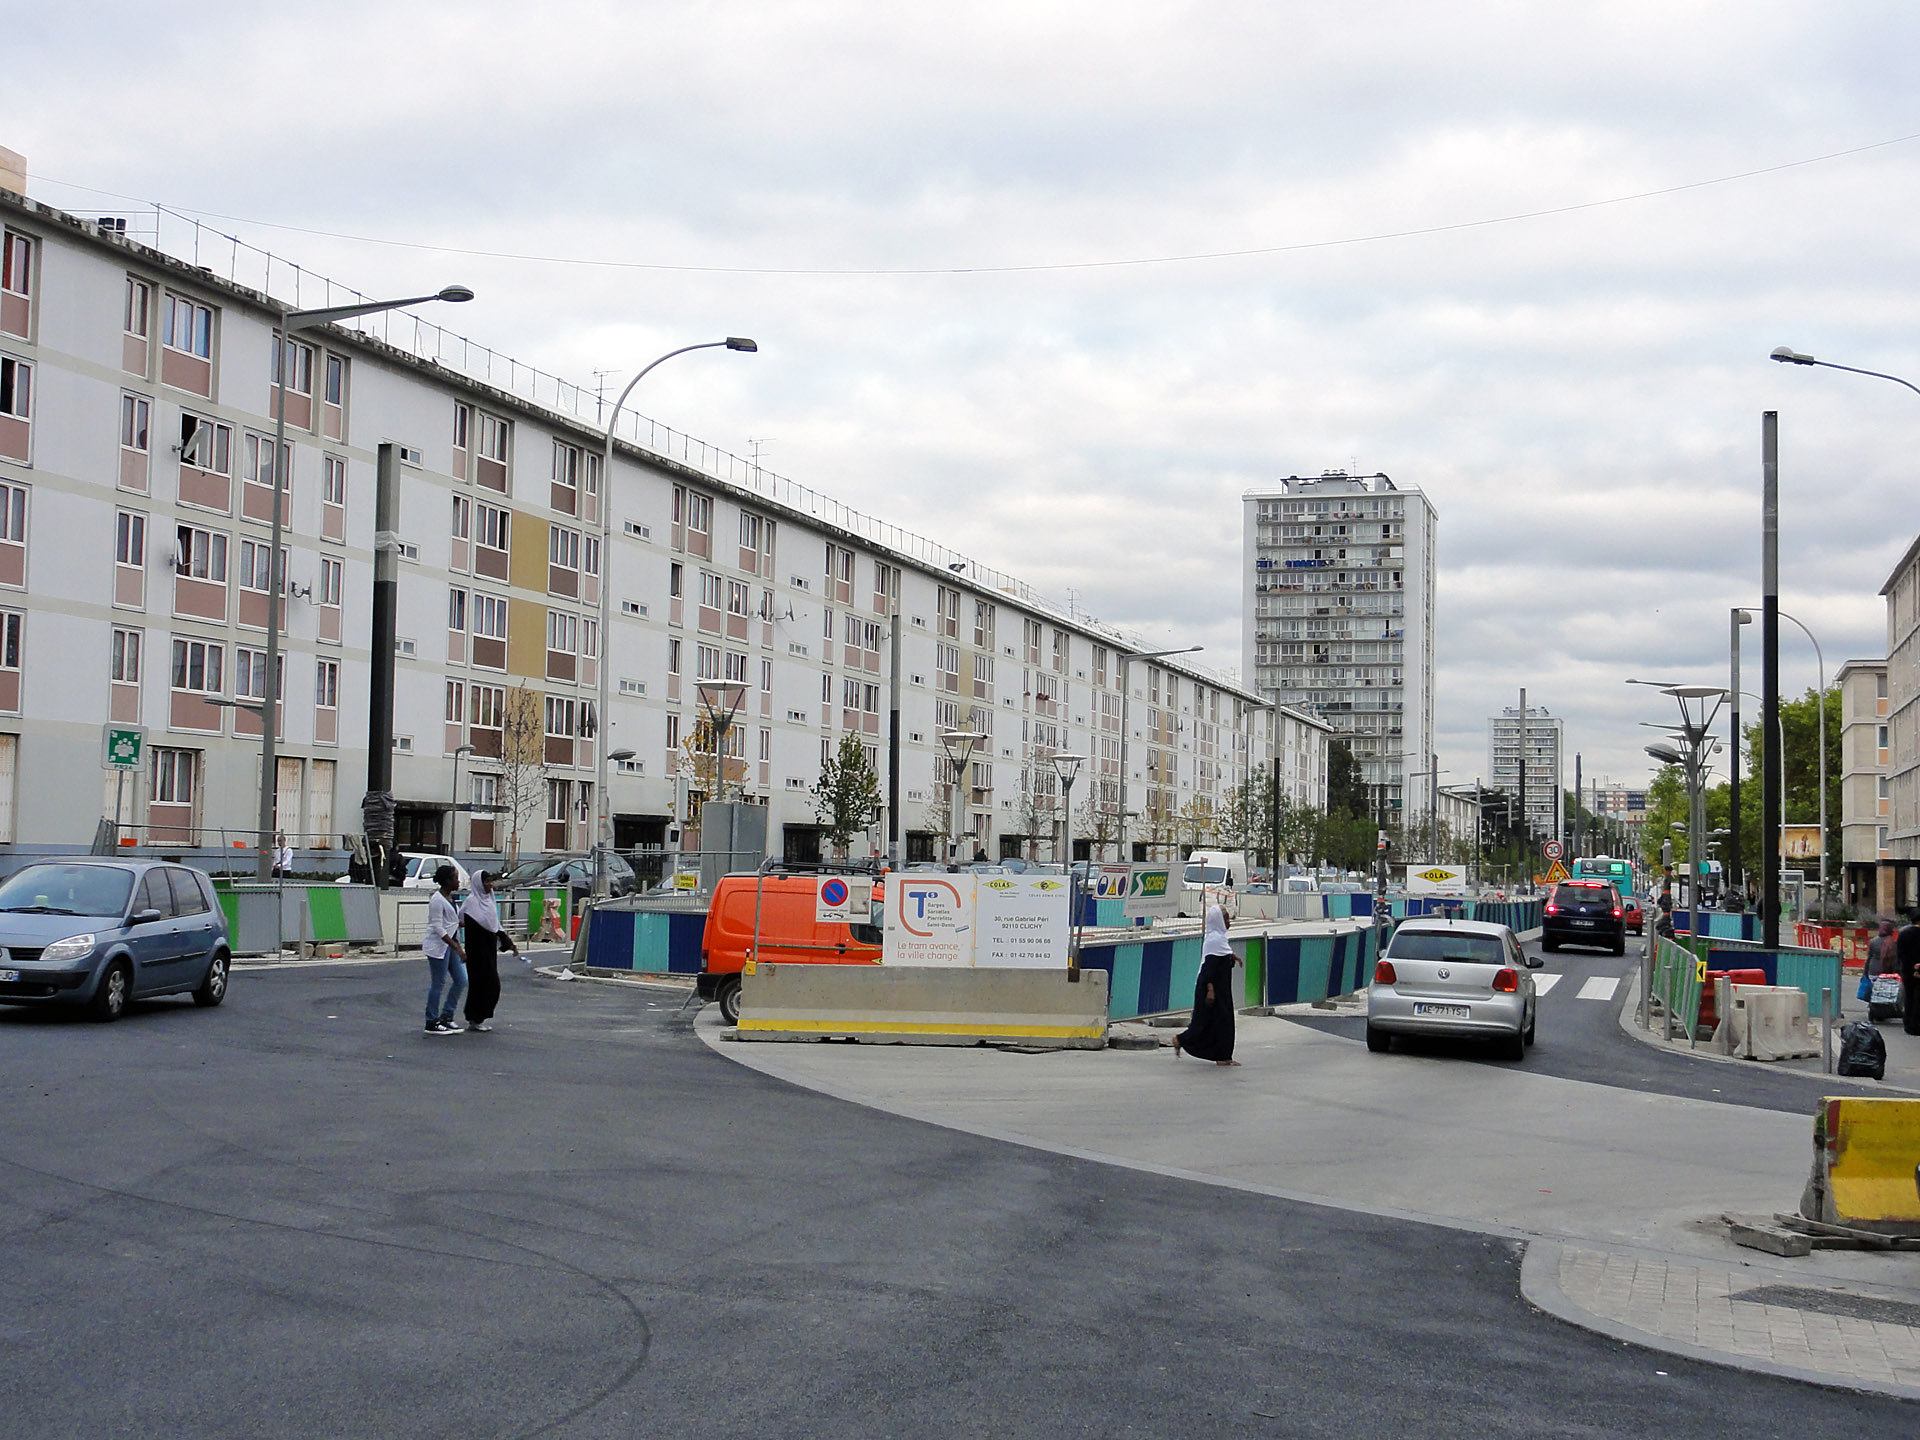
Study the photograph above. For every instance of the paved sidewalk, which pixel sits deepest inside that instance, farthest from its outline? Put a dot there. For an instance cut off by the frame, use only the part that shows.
(1617, 1193)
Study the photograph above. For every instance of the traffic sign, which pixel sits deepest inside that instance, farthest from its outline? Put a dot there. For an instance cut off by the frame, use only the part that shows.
(1556, 872)
(1553, 850)
(122, 747)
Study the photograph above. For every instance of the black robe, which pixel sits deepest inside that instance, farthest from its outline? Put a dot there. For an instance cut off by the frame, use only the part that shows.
(1210, 1035)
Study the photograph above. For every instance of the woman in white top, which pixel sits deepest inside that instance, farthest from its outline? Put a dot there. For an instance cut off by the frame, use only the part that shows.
(446, 957)
(485, 935)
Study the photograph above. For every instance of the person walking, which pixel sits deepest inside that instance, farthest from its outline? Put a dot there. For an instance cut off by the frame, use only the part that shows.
(1906, 959)
(480, 917)
(446, 957)
(1880, 951)
(1209, 1036)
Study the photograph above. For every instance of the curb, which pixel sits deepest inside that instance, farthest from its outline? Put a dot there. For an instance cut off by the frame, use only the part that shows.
(1540, 1287)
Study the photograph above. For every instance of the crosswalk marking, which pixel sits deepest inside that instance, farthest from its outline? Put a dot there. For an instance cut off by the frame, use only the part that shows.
(1599, 987)
(1543, 983)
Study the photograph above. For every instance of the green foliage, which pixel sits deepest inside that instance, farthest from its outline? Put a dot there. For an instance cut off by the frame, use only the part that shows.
(1347, 794)
(848, 795)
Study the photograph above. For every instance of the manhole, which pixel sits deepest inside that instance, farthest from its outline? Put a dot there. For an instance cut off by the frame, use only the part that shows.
(1831, 1302)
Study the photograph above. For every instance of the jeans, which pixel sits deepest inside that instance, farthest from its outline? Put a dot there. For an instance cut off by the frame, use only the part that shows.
(444, 971)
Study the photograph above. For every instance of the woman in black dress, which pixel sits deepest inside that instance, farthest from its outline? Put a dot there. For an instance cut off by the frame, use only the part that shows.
(1210, 1035)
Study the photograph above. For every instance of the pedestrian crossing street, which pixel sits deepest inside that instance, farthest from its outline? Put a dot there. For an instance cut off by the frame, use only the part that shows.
(1597, 987)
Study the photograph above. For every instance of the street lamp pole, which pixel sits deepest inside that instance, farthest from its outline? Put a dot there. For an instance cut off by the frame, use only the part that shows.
(1126, 694)
(290, 322)
(1739, 617)
(603, 825)
(1067, 767)
(959, 746)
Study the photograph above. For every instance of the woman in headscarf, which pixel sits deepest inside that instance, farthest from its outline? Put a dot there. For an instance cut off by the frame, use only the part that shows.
(485, 936)
(1210, 1035)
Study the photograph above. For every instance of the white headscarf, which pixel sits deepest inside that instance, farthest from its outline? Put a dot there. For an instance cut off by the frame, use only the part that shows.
(1216, 941)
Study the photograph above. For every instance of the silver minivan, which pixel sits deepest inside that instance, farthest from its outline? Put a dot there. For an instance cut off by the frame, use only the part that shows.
(1463, 978)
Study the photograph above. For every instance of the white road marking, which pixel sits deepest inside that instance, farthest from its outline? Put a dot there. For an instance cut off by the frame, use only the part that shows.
(1600, 987)
(1543, 983)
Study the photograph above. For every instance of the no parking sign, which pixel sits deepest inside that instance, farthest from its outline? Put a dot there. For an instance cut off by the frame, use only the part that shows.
(843, 900)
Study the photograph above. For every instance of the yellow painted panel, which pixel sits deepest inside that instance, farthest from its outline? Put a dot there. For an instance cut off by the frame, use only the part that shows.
(527, 637)
(1873, 1149)
(919, 1027)
(527, 569)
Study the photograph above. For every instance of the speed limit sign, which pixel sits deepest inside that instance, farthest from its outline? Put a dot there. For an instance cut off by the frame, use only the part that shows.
(1553, 849)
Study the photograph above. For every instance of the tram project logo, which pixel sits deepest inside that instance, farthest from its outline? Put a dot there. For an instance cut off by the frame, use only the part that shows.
(929, 907)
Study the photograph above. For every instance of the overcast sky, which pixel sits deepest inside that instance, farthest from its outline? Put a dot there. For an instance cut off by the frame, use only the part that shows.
(1580, 394)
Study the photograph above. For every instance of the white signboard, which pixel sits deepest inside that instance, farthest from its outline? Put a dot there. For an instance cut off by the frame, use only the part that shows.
(1150, 893)
(929, 920)
(1021, 922)
(1110, 882)
(843, 899)
(1437, 880)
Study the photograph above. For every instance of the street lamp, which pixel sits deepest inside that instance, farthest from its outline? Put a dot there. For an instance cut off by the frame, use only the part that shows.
(603, 827)
(1696, 721)
(1793, 357)
(453, 813)
(1067, 766)
(1126, 694)
(959, 745)
(290, 321)
(720, 703)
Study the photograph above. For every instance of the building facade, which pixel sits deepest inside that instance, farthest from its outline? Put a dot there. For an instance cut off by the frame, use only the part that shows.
(1337, 618)
(136, 482)
(1545, 801)
(1866, 800)
(1902, 594)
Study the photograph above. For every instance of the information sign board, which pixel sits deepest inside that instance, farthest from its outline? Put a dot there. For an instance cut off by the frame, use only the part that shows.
(1020, 922)
(929, 920)
(1150, 893)
(1437, 880)
(122, 747)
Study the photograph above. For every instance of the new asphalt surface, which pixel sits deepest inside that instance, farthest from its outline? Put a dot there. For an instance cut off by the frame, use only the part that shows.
(296, 1216)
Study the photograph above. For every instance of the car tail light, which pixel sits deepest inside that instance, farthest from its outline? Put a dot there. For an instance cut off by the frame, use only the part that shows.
(1616, 914)
(1553, 909)
(1383, 972)
(1507, 982)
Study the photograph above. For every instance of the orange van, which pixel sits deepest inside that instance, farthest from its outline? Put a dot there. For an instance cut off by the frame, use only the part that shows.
(789, 934)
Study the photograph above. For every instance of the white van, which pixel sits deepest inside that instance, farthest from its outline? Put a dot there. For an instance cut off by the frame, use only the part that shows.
(1210, 873)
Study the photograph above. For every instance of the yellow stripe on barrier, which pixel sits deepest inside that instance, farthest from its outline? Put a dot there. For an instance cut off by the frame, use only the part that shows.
(928, 1027)
(1873, 1149)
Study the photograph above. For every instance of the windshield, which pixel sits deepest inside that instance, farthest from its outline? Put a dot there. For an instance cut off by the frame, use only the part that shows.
(1206, 874)
(67, 890)
(522, 872)
(1447, 945)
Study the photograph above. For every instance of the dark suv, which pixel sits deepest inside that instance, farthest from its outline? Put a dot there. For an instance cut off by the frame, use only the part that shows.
(1584, 912)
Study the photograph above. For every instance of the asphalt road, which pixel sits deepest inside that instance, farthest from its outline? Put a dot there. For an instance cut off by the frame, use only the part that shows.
(295, 1216)
(1578, 1037)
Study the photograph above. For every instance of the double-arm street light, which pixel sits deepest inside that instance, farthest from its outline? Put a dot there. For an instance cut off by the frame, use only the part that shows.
(959, 745)
(291, 321)
(1699, 707)
(1126, 694)
(603, 825)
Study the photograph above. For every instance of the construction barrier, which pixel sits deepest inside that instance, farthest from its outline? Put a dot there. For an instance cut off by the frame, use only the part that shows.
(265, 919)
(925, 1006)
(1810, 971)
(1766, 1022)
(1678, 975)
(654, 937)
(1718, 924)
(1866, 1165)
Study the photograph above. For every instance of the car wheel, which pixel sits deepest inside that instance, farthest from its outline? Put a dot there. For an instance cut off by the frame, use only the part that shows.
(1532, 1022)
(728, 994)
(1620, 946)
(1378, 1041)
(116, 988)
(1514, 1047)
(213, 989)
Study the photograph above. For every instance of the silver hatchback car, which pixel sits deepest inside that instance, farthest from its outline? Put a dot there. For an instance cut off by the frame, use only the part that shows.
(1462, 978)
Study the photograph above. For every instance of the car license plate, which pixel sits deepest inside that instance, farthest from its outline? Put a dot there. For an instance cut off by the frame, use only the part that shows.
(1445, 1012)
(1583, 922)
(7, 975)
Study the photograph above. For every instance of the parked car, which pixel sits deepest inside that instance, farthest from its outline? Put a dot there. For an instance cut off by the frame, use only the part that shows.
(1463, 978)
(1636, 920)
(572, 872)
(1584, 912)
(101, 933)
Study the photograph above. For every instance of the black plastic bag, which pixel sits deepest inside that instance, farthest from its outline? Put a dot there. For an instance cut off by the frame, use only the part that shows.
(1862, 1051)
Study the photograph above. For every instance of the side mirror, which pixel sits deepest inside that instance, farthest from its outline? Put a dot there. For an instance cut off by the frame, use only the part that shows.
(144, 917)
(1534, 962)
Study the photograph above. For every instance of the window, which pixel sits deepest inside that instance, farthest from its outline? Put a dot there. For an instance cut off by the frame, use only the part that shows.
(563, 632)
(766, 675)
(493, 528)
(462, 517)
(136, 414)
(673, 657)
(561, 715)
(336, 392)
(298, 358)
(706, 662)
(590, 555)
(326, 685)
(129, 534)
(250, 674)
(16, 388)
(16, 265)
(126, 656)
(173, 774)
(457, 609)
(566, 478)
(328, 589)
(489, 616)
(10, 623)
(699, 514)
(739, 598)
(563, 547)
(333, 480)
(736, 668)
(676, 579)
(137, 317)
(589, 637)
(256, 558)
(206, 445)
(202, 554)
(13, 514)
(259, 459)
(982, 625)
(197, 666)
(673, 731)
(186, 326)
(710, 590)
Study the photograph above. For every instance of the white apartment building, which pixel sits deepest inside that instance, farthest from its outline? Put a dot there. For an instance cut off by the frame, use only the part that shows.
(136, 476)
(1546, 801)
(1300, 745)
(1337, 616)
(1866, 793)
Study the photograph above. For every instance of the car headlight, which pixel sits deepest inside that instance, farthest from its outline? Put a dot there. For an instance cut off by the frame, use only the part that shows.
(74, 947)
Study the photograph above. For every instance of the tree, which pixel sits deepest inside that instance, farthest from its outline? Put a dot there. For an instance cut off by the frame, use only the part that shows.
(701, 762)
(523, 763)
(1099, 819)
(1196, 820)
(1348, 794)
(1038, 808)
(847, 797)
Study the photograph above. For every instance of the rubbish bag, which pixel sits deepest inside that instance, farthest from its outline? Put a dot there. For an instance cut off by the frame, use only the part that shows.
(1862, 1051)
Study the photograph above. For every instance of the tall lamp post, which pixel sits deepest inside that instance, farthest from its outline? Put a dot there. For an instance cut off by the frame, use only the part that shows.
(959, 745)
(290, 322)
(1699, 708)
(453, 811)
(603, 827)
(1067, 766)
(1126, 694)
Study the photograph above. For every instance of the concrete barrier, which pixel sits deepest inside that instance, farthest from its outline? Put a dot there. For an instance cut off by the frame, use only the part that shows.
(935, 1006)
(1766, 1022)
(1866, 1166)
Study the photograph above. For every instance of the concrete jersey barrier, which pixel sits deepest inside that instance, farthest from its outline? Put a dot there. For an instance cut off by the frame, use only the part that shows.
(924, 1006)
(1866, 1165)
